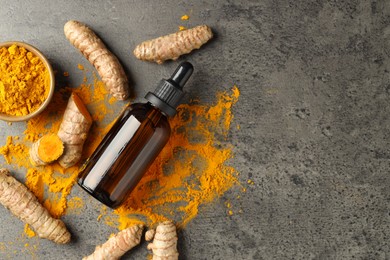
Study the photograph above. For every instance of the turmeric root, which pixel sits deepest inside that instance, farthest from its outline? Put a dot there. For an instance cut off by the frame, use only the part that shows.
(23, 204)
(164, 245)
(149, 235)
(73, 131)
(118, 245)
(172, 46)
(46, 150)
(105, 62)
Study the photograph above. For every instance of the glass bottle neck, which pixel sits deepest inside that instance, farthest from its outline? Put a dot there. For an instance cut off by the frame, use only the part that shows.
(157, 109)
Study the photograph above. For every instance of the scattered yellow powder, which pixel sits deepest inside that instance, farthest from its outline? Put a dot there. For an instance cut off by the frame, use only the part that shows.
(35, 183)
(60, 186)
(24, 81)
(222, 113)
(112, 100)
(230, 212)
(272, 91)
(30, 250)
(28, 231)
(75, 205)
(48, 121)
(182, 28)
(111, 220)
(103, 211)
(185, 17)
(80, 67)
(250, 182)
(14, 152)
(190, 171)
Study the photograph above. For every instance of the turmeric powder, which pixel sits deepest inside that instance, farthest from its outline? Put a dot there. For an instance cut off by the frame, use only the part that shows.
(196, 175)
(191, 171)
(24, 81)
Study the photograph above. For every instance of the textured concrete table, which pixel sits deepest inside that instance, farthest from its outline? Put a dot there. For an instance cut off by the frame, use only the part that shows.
(314, 116)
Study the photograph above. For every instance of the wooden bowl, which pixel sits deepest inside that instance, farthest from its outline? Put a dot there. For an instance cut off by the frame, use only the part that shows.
(37, 53)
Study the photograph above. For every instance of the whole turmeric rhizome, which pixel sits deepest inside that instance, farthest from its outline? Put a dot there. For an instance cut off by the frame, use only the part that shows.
(164, 246)
(23, 204)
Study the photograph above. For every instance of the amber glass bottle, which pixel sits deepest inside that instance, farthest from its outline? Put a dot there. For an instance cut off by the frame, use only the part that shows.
(133, 142)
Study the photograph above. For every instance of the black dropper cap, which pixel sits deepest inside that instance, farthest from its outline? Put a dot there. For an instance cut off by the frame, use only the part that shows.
(169, 92)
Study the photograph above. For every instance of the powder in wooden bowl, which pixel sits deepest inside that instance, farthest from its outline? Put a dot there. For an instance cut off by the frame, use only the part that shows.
(24, 81)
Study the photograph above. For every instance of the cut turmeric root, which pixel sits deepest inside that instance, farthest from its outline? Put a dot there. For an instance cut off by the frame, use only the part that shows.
(46, 150)
(23, 204)
(164, 244)
(118, 245)
(172, 46)
(74, 130)
(105, 62)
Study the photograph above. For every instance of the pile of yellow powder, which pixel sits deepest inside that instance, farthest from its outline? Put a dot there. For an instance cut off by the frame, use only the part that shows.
(24, 81)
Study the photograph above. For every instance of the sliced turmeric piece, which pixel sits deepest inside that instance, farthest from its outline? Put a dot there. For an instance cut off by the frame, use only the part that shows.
(172, 46)
(46, 150)
(73, 131)
(23, 204)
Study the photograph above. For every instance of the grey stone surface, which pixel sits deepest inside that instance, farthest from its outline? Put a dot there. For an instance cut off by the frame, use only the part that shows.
(314, 117)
